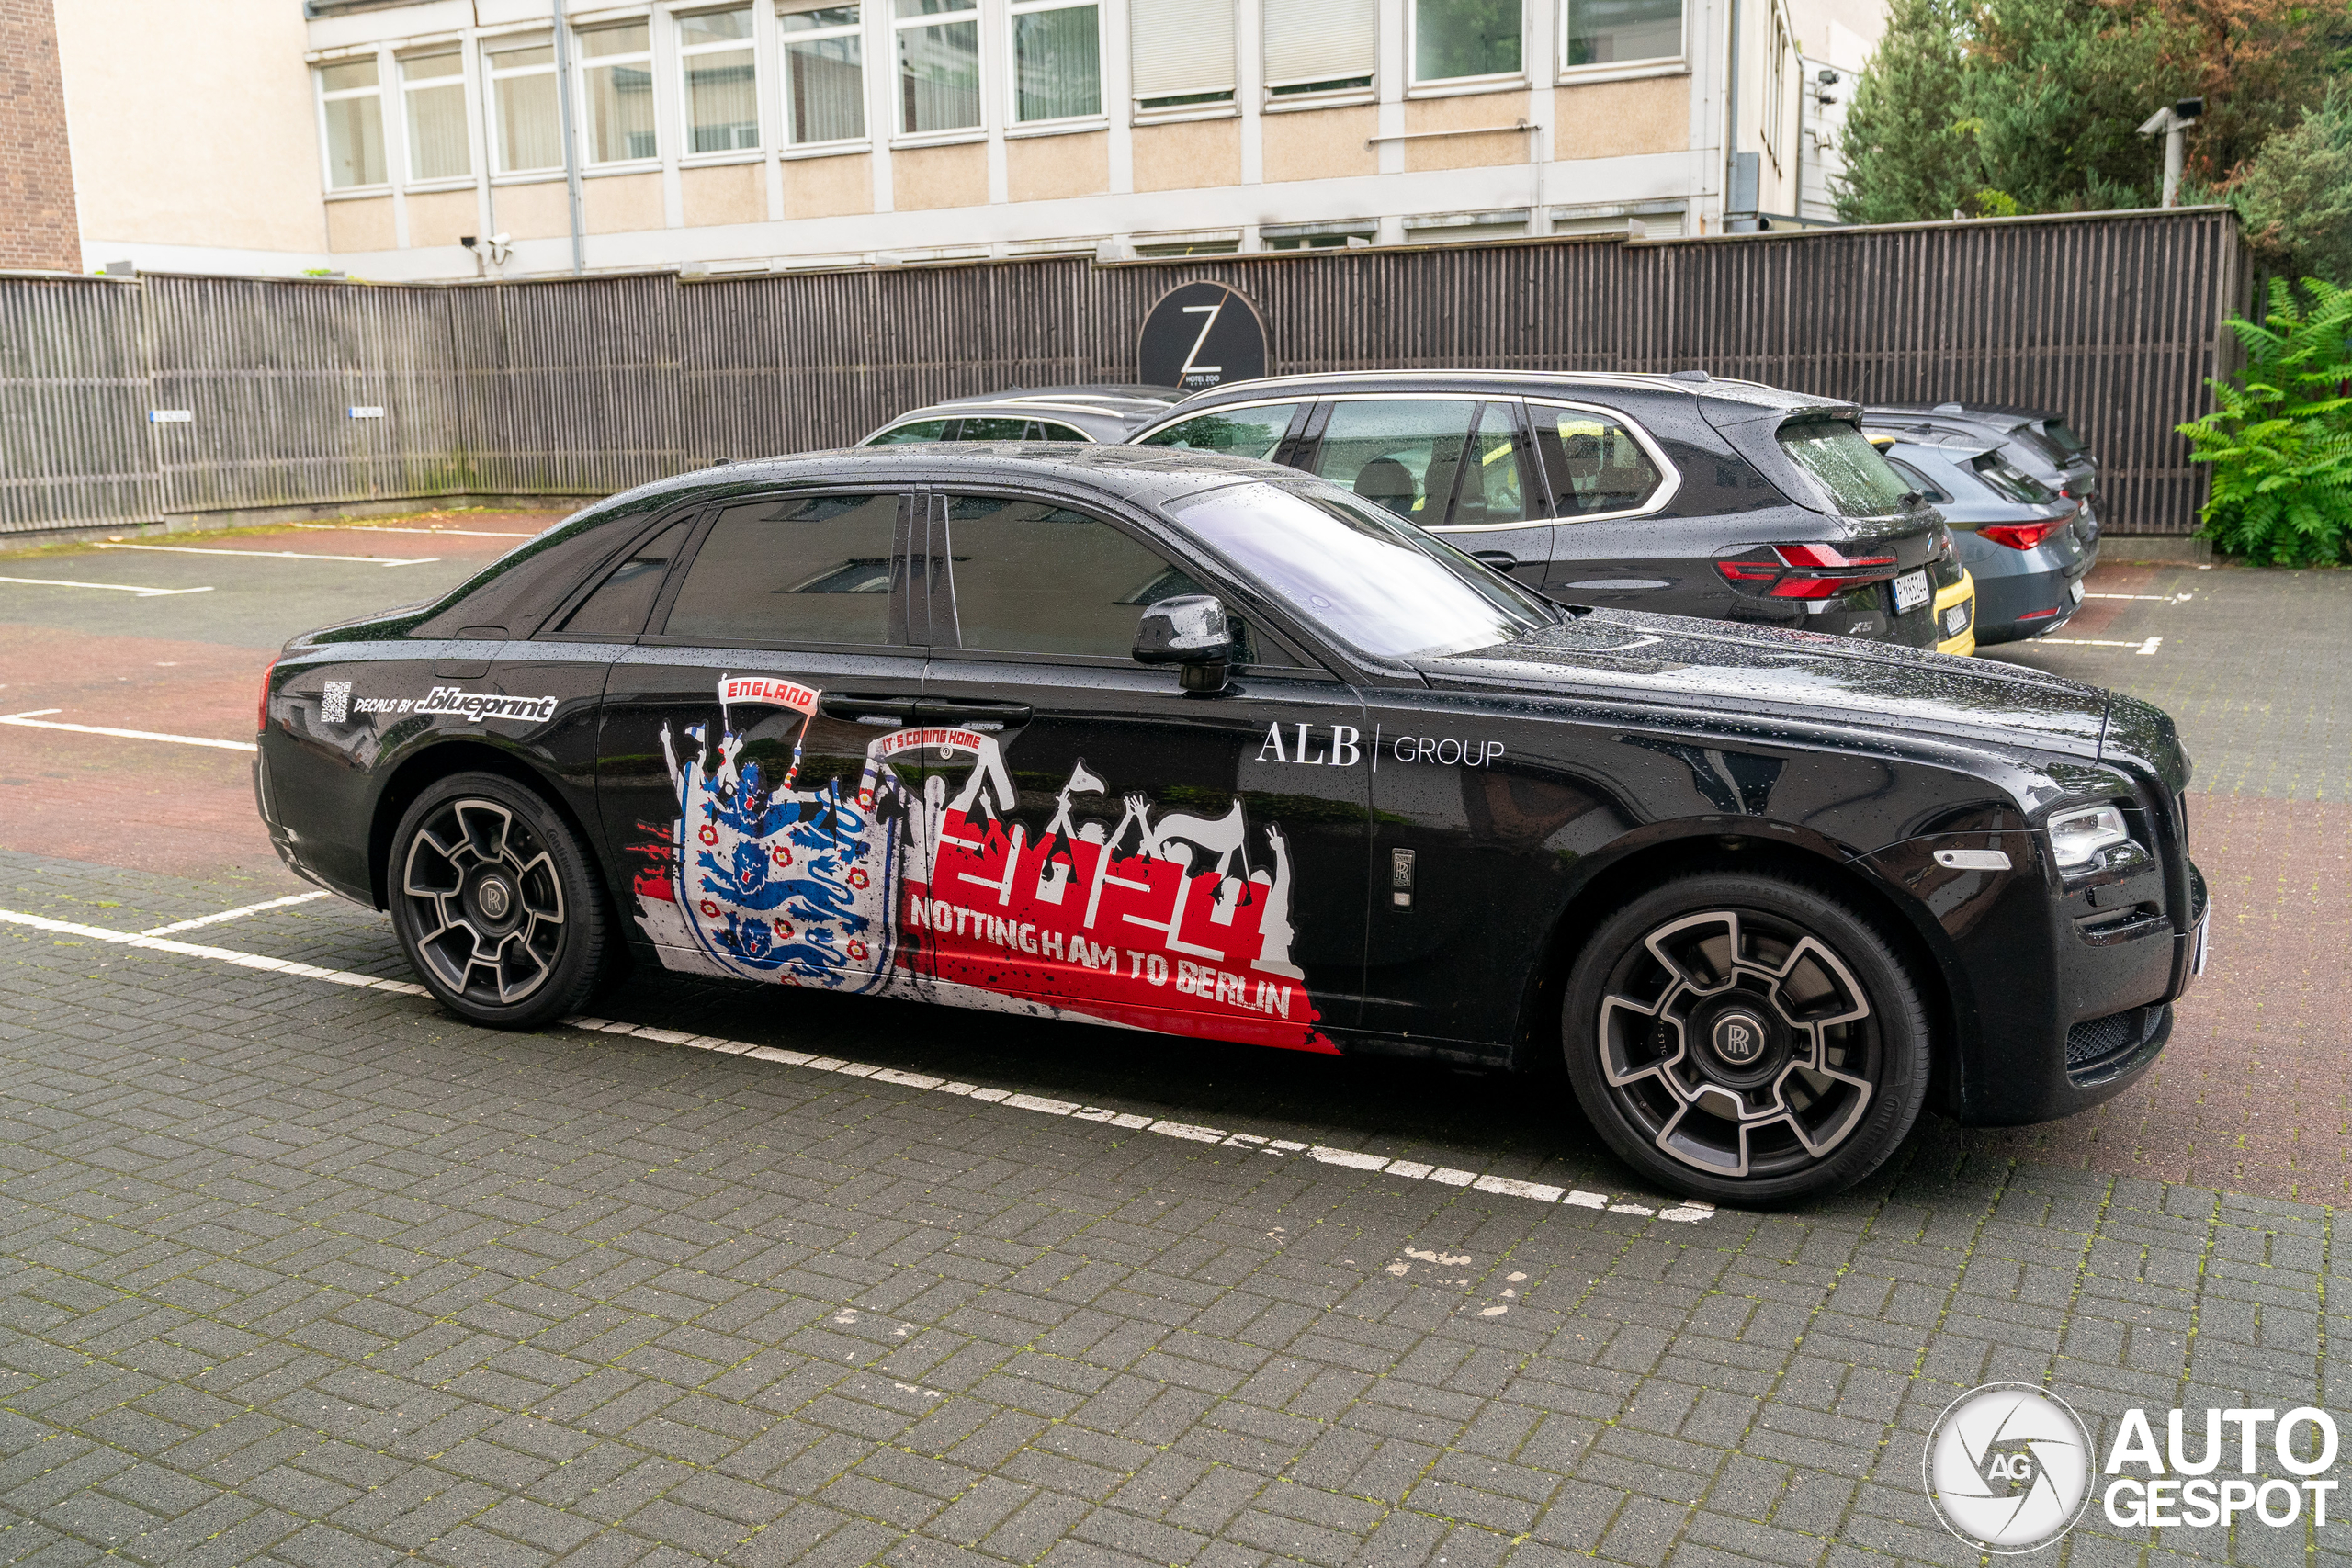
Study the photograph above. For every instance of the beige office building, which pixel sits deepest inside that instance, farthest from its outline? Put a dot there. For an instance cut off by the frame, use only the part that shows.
(374, 137)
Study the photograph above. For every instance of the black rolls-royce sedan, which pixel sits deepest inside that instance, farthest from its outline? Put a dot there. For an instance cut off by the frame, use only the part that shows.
(1686, 492)
(1207, 747)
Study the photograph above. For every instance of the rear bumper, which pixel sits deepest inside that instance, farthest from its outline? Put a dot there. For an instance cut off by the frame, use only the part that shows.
(2027, 604)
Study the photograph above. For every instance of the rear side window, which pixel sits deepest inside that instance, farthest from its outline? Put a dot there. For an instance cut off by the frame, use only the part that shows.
(799, 568)
(1846, 467)
(1238, 433)
(1047, 430)
(913, 430)
(620, 603)
(1033, 578)
(1594, 464)
(1917, 481)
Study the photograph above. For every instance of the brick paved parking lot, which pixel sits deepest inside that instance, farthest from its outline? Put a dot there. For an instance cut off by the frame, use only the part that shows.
(299, 1269)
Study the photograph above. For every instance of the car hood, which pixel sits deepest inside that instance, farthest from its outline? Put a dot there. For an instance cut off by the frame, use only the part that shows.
(1675, 661)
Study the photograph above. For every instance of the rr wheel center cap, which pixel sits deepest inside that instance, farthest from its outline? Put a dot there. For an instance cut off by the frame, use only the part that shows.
(496, 899)
(1742, 1046)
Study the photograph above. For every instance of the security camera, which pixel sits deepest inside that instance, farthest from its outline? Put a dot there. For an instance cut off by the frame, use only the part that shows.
(2189, 109)
(1828, 78)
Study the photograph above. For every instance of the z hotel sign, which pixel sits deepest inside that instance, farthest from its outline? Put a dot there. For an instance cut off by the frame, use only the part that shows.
(1201, 336)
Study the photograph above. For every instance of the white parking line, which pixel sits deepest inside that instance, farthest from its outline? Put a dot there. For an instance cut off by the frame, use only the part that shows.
(116, 587)
(268, 554)
(30, 719)
(1416, 1170)
(2150, 597)
(387, 528)
(2150, 646)
(231, 914)
(1353, 1159)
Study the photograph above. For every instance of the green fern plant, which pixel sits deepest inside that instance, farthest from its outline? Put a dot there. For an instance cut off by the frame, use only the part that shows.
(2281, 440)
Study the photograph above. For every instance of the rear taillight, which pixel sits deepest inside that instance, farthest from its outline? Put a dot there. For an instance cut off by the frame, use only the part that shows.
(261, 717)
(1803, 571)
(2017, 536)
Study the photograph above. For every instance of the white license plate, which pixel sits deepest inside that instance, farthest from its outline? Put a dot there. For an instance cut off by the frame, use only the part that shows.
(2074, 590)
(1910, 591)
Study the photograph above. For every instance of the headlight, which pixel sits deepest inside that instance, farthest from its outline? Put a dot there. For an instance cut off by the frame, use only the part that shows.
(2076, 836)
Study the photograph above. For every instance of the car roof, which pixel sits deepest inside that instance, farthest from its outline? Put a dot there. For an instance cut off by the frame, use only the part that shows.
(1957, 446)
(1142, 475)
(1107, 411)
(1936, 429)
(1998, 416)
(1695, 385)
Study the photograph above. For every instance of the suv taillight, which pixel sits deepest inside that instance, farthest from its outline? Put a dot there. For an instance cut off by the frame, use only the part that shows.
(1803, 571)
(2017, 536)
(261, 718)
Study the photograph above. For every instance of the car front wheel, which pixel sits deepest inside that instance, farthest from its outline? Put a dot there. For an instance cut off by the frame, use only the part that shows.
(1746, 1039)
(495, 902)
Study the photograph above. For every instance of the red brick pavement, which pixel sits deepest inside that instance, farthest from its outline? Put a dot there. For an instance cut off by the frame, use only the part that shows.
(2252, 1095)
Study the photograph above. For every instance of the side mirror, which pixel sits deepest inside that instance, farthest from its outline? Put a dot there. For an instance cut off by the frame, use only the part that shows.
(1191, 632)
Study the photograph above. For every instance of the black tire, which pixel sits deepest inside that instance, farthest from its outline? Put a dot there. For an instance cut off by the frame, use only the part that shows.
(496, 902)
(1672, 992)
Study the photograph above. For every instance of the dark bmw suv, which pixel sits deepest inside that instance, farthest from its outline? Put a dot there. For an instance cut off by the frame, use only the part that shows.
(1679, 494)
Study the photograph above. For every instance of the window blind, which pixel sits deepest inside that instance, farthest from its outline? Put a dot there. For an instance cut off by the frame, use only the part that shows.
(1182, 47)
(1320, 40)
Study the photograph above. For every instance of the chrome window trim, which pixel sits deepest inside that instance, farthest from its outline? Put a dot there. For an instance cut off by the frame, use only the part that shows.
(1666, 491)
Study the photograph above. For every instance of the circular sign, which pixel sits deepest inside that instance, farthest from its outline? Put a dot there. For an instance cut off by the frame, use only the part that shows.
(2007, 1467)
(1201, 336)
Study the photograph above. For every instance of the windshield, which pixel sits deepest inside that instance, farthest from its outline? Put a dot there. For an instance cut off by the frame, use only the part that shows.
(1377, 585)
(1842, 461)
(2010, 482)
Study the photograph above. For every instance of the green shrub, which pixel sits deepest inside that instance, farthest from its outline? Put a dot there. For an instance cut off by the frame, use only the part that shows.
(2280, 441)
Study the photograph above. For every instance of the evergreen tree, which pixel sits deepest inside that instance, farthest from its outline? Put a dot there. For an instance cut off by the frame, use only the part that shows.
(2295, 195)
(1907, 156)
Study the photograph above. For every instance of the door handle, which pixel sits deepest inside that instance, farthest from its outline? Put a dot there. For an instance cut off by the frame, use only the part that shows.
(978, 712)
(861, 709)
(1501, 560)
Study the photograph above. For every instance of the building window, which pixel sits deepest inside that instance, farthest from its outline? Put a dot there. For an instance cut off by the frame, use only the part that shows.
(1776, 90)
(354, 116)
(824, 72)
(722, 81)
(434, 87)
(1320, 46)
(1612, 32)
(616, 81)
(1454, 39)
(523, 92)
(939, 65)
(1183, 52)
(1057, 59)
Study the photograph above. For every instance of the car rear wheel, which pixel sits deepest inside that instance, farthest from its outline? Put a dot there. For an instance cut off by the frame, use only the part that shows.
(1746, 1039)
(495, 901)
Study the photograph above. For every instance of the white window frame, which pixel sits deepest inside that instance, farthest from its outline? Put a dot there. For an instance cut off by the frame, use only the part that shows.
(496, 117)
(1013, 15)
(687, 54)
(322, 97)
(1776, 90)
(464, 82)
(582, 65)
(861, 29)
(1149, 107)
(1677, 63)
(971, 16)
(1416, 82)
(1276, 99)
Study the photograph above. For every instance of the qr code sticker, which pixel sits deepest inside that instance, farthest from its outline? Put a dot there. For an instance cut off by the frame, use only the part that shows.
(336, 706)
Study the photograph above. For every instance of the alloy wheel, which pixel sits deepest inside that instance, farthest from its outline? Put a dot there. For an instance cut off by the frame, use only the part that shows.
(1739, 1043)
(486, 900)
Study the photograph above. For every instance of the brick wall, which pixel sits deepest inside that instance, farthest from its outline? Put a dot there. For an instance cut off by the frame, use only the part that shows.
(36, 222)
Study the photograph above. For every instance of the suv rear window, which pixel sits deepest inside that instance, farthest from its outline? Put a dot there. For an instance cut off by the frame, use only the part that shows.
(1849, 471)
